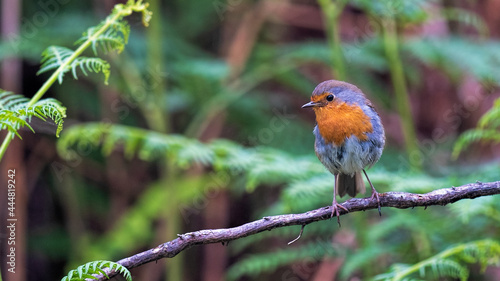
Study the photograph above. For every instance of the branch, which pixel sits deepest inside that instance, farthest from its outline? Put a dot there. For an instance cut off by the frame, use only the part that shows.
(401, 200)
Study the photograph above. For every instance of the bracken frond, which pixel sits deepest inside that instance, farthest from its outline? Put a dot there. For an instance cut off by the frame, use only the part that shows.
(113, 39)
(15, 113)
(449, 263)
(259, 165)
(91, 269)
(54, 57)
(91, 64)
(475, 135)
(258, 264)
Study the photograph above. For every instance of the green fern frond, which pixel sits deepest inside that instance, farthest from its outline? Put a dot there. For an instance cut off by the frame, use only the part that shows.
(49, 108)
(111, 34)
(259, 165)
(449, 262)
(466, 17)
(488, 130)
(12, 122)
(91, 64)
(263, 164)
(275, 167)
(444, 267)
(405, 11)
(134, 6)
(15, 112)
(113, 39)
(117, 31)
(147, 145)
(54, 57)
(262, 263)
(472, 209)
(63, 60)
(480, 60)
(475, 135)
(311, 187)
(88, 270)
(491, 119)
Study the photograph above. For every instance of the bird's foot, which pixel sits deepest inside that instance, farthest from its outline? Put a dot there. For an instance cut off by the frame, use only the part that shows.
(376, 196)
(335, 211)
(374, 193)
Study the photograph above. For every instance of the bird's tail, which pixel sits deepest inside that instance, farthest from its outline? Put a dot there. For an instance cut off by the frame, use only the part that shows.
(351, 185)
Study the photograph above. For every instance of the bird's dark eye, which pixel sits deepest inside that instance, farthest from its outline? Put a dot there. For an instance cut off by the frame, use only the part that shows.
(330, 97)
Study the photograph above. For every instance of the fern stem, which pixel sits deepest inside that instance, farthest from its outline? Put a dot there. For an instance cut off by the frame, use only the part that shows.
(5, 144)
(52, 79)
(156, 116)
(119, 12)
(391, 46)
(445, 254)
(332, 11)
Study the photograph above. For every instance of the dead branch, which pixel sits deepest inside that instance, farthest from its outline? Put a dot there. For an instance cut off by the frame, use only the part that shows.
(401, 200)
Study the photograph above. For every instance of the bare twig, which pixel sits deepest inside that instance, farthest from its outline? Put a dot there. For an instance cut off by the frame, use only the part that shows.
(298, 237)
(401, 200)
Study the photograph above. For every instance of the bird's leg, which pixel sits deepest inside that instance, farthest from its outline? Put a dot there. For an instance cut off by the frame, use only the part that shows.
(335, 205)
(374, 193)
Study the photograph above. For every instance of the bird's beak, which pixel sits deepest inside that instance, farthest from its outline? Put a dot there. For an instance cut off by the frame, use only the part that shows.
(311, 104)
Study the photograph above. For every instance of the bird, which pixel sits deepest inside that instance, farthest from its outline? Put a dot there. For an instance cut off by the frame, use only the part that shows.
(349, 137)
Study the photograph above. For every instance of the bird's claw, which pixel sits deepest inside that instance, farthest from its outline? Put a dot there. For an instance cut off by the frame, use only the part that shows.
(376, 196)
(335, 211)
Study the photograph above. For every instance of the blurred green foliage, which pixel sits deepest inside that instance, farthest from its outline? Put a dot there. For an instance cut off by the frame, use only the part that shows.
(180, 118)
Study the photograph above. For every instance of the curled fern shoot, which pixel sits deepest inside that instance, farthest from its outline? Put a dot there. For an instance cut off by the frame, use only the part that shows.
(91, 269)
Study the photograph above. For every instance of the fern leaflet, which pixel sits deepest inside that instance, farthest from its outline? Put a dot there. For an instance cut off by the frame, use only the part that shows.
(15, 112)
(488, 129)
(258, 264)
(114, 38)
(91, 64)
(449, 262)
(54, 57)
(88, 270)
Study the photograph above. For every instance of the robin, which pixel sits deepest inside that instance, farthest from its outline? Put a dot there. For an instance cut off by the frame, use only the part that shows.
(349, 137)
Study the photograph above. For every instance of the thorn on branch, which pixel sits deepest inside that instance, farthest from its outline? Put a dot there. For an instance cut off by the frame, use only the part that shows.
(298, 237)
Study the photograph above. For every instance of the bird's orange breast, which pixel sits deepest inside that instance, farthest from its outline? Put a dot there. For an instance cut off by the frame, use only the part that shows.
(339, 120)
